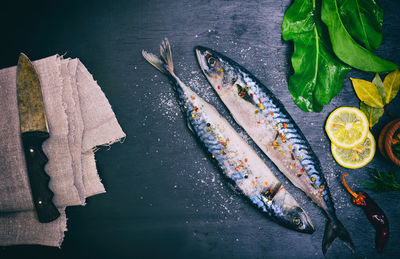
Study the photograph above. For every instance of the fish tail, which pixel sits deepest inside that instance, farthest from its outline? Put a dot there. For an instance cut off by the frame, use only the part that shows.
(166, 54)
(164, 64)
(334, 229)
(155, 61)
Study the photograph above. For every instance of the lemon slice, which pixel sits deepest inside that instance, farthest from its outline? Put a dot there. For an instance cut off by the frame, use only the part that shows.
(347, 127)
(356, 157)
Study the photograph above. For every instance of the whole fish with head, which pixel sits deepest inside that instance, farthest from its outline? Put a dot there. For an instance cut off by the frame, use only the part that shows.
(238, 161)
(266, 121)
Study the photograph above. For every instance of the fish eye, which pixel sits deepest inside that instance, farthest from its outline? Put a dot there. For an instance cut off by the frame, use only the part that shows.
(296, 221)
(212, 61)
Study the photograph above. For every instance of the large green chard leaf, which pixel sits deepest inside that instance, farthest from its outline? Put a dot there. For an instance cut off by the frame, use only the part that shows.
(318, 74)
(345, 47)
(363, 20)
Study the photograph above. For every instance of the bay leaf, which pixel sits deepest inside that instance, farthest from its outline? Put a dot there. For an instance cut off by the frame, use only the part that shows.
(367, 92)
(392, 85)
(377, 81)
(373, 114)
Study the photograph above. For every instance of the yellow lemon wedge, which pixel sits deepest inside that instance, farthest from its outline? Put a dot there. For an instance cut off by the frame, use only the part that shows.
(356, 157)
(347, 127)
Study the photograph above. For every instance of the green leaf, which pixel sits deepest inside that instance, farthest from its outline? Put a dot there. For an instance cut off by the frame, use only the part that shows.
(318, 74)
(382, 182)
(345, 47)
(377, 81)
(392, 85)
(367, 92)
(363, 20)
(373, 114)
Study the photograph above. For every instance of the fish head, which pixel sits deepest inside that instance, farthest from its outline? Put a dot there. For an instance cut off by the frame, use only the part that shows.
(285, 210)
(294, 218)
(299, 221)
(217, 68)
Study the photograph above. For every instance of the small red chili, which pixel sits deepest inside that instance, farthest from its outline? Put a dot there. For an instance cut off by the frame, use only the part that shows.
(375, 215)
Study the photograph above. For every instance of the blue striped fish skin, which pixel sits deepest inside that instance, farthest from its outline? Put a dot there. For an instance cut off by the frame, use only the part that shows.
(237, 160)
(255, 108)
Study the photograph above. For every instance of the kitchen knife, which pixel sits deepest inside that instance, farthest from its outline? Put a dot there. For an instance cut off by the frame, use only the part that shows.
(34, 132)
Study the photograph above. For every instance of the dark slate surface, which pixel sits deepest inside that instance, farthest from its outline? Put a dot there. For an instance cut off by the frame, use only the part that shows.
(165, 198)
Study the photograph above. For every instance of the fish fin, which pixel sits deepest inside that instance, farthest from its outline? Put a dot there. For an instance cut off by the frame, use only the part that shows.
(189, 125)
(334, 229)
(155, 61)
(166, 54)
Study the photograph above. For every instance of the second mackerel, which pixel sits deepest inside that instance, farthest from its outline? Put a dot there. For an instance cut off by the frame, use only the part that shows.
(265, 119)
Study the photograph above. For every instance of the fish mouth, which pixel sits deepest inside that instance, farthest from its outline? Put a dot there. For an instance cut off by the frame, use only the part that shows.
(201, 59)
(201, 48)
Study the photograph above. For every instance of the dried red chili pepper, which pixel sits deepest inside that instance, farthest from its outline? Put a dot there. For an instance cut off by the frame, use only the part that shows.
(375, 215)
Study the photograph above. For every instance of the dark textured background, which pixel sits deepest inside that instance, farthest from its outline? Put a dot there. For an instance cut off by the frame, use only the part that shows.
(165, 198)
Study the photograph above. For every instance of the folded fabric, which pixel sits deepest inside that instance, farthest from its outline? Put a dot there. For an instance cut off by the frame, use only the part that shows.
(79, 119)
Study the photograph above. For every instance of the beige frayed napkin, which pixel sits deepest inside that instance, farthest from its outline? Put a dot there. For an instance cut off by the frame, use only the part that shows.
(79, 119)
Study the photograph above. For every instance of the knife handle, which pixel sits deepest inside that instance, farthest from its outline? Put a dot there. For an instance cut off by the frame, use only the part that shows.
(38, 178)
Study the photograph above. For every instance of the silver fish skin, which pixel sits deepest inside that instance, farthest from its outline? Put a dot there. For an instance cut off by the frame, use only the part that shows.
(266, 121)
(235, 157)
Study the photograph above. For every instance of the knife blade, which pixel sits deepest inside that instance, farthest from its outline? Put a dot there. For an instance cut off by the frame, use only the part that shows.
(34, 131)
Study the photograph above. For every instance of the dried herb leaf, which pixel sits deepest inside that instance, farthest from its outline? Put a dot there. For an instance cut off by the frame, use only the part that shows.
(377, 81)
(345, 47)
(367, 92)
(363, 20)
(392, 85)
(373, 95)
(373, 114)
(318, 74)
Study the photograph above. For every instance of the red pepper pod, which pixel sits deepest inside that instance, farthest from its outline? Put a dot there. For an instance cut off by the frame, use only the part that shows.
(375, 215)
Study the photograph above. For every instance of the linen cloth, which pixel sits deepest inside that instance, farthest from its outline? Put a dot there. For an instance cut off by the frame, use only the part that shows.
(79, 118)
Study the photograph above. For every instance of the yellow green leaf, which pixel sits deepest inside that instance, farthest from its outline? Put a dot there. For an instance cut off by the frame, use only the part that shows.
(373, 114)
(392, 85)
(377, 81)
(367, 92)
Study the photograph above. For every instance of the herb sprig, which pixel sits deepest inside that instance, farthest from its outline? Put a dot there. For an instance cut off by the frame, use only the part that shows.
(382, 181)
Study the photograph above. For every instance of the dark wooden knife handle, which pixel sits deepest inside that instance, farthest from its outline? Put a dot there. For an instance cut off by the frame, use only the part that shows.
(38, 178)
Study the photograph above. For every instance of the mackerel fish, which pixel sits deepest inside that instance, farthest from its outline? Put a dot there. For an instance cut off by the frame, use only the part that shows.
(255, 108)
(238, 161)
